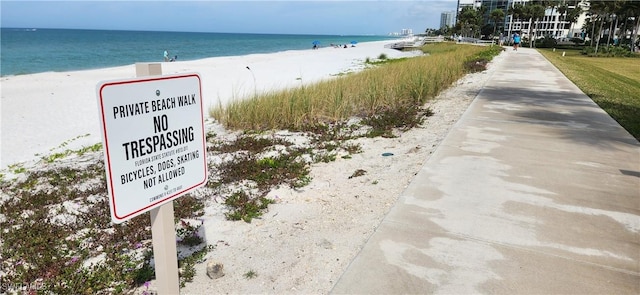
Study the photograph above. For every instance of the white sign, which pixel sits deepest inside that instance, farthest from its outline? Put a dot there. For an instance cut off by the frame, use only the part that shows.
(154, 141)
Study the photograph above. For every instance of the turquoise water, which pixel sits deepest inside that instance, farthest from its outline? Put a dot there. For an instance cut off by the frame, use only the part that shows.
(27, 51)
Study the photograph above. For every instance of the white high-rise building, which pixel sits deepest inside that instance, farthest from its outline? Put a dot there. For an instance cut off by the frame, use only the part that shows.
(552, 24)
(406, 32)
(447, 19)
(472, 3)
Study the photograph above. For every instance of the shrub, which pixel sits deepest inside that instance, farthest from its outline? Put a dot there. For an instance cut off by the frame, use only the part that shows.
(478, 62)
(576, 41)
(608, 51)
(546, 42)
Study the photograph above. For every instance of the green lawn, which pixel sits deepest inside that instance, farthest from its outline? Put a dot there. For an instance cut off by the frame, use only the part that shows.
(612, 82)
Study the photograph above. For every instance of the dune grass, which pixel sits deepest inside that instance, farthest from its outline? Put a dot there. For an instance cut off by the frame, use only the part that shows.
(401, 85)
(611, 82)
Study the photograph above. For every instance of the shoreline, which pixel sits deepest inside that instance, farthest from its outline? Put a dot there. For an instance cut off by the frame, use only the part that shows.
(199, 45)
(183, 61)
(52, 112)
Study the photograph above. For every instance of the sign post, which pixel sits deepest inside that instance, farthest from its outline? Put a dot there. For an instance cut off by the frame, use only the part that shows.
(163, 234)
(155, 151)
(163, 230)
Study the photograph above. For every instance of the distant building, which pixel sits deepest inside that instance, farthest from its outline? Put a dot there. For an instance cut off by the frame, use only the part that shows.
(406, 32)
(465, 3)
(471, 3)
(552, 24)
(448, 19)
(403, 32)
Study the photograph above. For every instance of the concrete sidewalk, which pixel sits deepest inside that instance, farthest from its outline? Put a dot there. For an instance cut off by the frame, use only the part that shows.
(535, 190)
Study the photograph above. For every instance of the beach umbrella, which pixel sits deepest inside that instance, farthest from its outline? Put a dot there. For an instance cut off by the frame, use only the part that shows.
(316, 42)
(354, 42)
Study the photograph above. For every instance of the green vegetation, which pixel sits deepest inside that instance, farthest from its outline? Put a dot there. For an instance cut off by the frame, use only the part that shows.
(57, 224)
(55, 219)
(609, 51)
(396, 88)
(244, 207)
(613, 83)
(382, 59)
(602, 18)
(187, 264)
(250, 274)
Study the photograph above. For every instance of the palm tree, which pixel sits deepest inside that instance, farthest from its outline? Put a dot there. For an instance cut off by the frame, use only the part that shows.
(593, 19)
(616, 11)
(481, 12)
(534, 13)
(625, 15)
(469, 19)
(629, 13)
(633, 8)
(597, 9)
(603, 9)
(553, 4)
(573, 14)
(517, 11)
(538, 13)
(527, 14)
(496, 16)
(562, 10)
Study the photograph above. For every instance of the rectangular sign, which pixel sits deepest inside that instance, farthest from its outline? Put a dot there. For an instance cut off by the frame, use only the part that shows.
(154, 141)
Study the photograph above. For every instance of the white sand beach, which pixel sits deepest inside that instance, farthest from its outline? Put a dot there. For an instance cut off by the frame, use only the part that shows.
(42, 111)
(305, 240)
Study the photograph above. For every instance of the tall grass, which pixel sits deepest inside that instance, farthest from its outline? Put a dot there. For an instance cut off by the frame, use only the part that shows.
(410, 82)
(611, 82)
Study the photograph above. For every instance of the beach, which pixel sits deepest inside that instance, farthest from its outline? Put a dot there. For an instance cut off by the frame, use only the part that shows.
(50, 112)
(308, 237)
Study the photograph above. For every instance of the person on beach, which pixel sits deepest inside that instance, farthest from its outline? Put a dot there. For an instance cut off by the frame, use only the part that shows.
(166, 55)
(516, 41)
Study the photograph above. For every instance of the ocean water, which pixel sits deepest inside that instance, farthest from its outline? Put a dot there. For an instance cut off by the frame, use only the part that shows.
(27, 51)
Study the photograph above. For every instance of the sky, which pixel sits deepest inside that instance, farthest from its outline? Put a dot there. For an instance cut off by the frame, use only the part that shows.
(269, 17)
